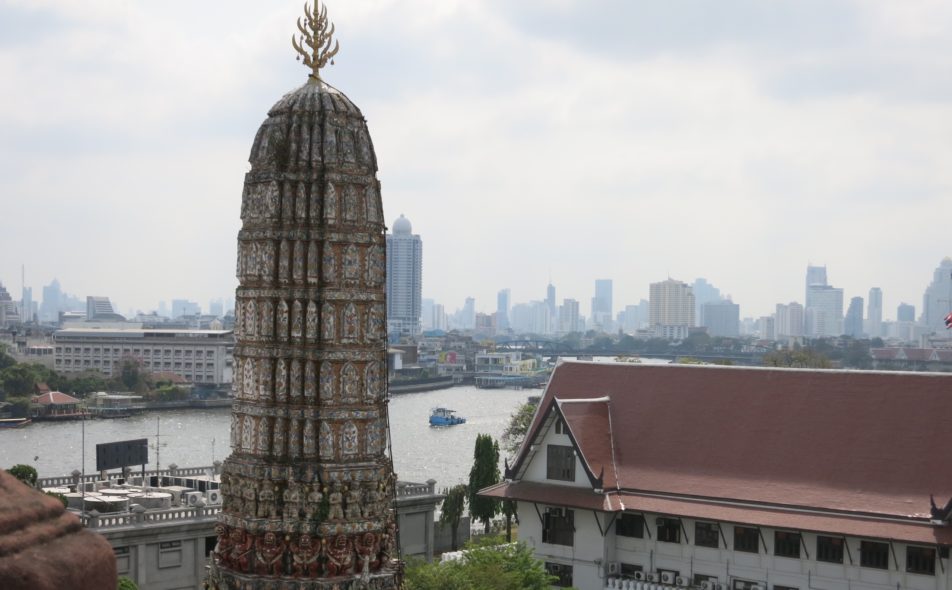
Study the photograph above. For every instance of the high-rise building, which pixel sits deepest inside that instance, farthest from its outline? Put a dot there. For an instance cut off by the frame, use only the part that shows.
(874, 313)
(468, 314)
(216, 307)
(52, 302)
(704, 292)
(100, 309)
(404, 280)
(937, 299)
(309, 481)
(530, 318)
(672, 304)
(602, 305)
(824, 315)
(184, 307)
(26, 304)
(789, 320)
(721, 318)
(853, 323)
(553, 308)
(569, 317)
(503, 303)
(905, 313)
(816, 276)
(766, 327)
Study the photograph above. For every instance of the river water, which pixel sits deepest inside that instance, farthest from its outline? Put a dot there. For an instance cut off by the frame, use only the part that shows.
(192, 438)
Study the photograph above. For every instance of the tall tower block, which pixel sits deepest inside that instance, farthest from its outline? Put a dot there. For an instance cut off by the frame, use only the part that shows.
(308, 487)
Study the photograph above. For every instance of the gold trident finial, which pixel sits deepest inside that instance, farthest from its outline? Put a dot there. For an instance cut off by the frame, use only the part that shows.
(316, 36)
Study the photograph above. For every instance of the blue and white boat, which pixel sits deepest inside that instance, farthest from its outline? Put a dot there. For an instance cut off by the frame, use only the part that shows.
(445, 417)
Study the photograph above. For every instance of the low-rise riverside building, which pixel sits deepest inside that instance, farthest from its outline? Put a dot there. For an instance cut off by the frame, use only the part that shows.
(198, 356)
(163, 534)
(720, 478)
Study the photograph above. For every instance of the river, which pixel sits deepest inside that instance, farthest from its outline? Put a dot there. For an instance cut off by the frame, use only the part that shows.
(192, 438)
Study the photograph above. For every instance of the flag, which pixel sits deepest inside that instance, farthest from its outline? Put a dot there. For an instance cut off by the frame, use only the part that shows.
(948, 321)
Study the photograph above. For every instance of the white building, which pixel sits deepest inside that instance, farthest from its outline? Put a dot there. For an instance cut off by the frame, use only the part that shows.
(824, 312)
(723, 478)
(198, 356)
(671, 304)
(568, 317)
(404, 280)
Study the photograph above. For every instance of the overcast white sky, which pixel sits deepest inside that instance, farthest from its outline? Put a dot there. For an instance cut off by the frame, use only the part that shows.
(736, 140)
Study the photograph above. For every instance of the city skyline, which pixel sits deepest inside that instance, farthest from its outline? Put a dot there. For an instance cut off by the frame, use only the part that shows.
(811, 132)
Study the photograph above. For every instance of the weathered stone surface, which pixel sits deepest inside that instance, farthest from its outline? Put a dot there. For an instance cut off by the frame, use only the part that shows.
(43, 547)
(307, 489)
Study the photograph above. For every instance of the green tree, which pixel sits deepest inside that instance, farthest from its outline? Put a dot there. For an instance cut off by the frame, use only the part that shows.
(804, 358)
(518, 427)
(6, 360)
(18, 379)
(485, 565)
(454, 505)
(485, 472)
(24, 473)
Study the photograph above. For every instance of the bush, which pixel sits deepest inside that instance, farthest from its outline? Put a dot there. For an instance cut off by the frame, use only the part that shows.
(125, 583)
(59, 497)
(24, 473)
(486, 565)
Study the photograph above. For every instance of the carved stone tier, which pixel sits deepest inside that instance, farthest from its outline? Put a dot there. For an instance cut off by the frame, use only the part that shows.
(307, 491)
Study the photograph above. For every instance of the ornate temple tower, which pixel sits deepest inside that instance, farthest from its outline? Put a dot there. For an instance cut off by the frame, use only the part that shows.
(308, 488)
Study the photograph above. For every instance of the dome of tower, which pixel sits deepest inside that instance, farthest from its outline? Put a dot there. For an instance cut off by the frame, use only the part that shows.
(402, 226)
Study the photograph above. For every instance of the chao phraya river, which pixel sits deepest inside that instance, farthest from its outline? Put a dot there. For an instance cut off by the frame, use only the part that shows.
(192, 438)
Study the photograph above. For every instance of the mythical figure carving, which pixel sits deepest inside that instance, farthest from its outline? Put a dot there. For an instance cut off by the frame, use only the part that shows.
(284, 261)
(340, 556)
(314, 499)
(348, 439)
(297, 270)
(336, 499)
(368, 552)
(267, 504)
(295, 381)
(353, 511)
(269, 549)
(328, 323)
(310, 327)
(306, 552)
(242, 548)
(350, 328)
(297, 321)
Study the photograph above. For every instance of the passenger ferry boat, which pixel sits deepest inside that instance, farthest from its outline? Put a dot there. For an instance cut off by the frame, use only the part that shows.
(14, 422)
(445, 417)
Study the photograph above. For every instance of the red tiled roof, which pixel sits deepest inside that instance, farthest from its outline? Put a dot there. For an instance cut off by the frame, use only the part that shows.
(860, 442)
(55, 398)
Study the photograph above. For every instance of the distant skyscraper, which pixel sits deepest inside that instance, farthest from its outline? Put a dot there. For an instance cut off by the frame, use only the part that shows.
(766, 327)
(404, 280)
(569, 317)
(468, 315)
(704, 292)
(874, 313)
(184, 307)
(602, 305)
(672, 304)
(101, 309)
(216, 307)
(789, 320)
(721, 318)
(937, 300)
(824, 315)
(503, 303)
(52, 302)
(853, 324)
(553, 308)
(26, 304)
(905, 313)
(426, 313)
(816, 275)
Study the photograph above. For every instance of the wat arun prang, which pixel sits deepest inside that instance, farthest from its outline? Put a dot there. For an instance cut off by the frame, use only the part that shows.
(307, 491)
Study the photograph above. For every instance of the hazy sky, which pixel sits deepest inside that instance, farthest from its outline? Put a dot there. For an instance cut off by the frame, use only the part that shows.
(736, 140)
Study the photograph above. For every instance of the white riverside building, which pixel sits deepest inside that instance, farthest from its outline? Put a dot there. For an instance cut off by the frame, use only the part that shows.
(198, 356)
(719, 478)
(166, 544)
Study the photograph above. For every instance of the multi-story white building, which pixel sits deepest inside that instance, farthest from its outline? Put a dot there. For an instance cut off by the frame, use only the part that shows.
(198, 356)
(671, 304)
(404, 280)
(874, 313)
(568, 317)
(824, 312)
(722, 478)
(789, 322)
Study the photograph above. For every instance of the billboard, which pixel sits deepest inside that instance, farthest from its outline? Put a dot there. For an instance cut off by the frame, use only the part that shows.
(122, 454)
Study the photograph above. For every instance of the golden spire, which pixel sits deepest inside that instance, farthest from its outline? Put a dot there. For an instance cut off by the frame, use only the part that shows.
(316, 36)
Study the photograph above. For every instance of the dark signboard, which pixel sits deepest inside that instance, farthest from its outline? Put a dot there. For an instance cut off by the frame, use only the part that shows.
(122, 454)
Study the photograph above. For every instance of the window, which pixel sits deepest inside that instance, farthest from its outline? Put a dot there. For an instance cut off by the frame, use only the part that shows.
(829, 549)
(699, 579)
(561, 463)
(558, 527)
(562, 572)
(170, 554)
(122, 560)
(873, 554)
(629, 570)
(920, 560)
(560, 426)
(744, 584)
(630, 525)
(786, 544)
(706, 534)
(669, 530)
(746, 538)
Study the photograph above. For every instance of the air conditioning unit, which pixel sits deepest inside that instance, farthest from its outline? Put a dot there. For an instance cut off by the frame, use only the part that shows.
(756, 587)
(708, 585)
(653, 578)
(176, 494)
(682, 581)
(668, 578)
(213, 497)
(640, 576)
(720, 587)
(192, 498)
